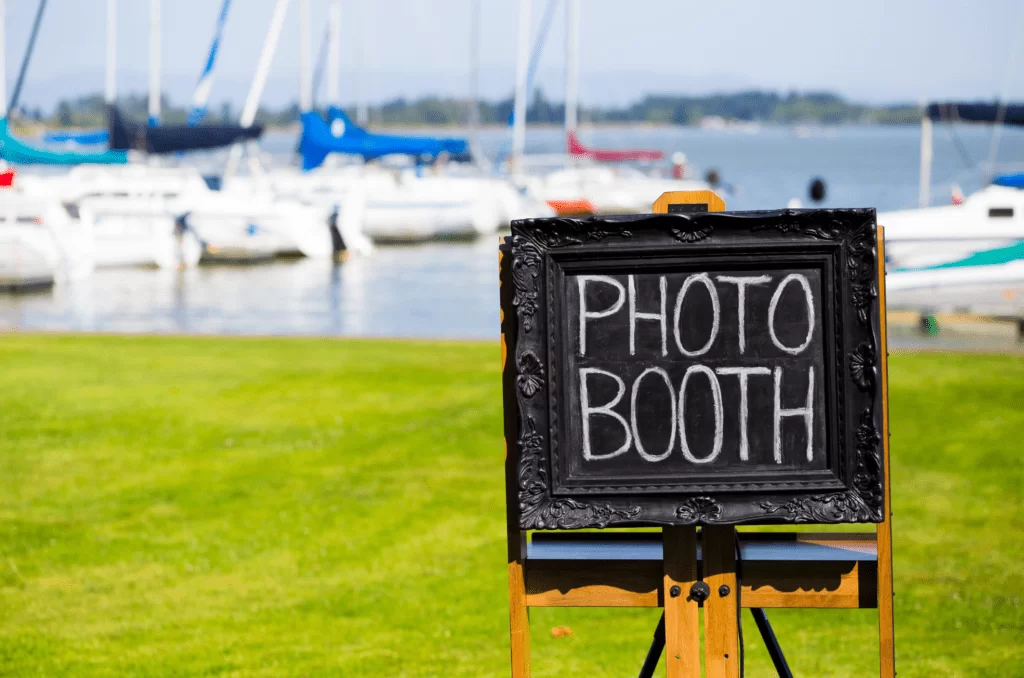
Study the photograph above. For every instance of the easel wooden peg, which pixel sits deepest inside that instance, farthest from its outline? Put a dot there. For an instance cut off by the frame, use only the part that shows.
(683, 202)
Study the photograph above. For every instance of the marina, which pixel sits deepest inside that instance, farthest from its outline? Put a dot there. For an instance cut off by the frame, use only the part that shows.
(172, 197)
(446, 289)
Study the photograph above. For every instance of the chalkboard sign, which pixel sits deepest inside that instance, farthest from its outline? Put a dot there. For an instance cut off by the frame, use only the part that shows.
(696, 368)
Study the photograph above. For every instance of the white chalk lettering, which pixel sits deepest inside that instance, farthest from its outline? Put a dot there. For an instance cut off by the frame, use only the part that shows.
(716, 395)
(586, 314)
(741, 282)
(635, 315)
(704, 280)
(807, 412)
(744, 374)
(632, 414)
(587, 411)
(810, 313)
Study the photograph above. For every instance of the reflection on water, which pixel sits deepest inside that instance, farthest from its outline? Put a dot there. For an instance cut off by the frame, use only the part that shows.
(432, 290)
(443, 290)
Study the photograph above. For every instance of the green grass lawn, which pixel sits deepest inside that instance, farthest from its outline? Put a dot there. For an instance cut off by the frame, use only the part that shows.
(240, 507)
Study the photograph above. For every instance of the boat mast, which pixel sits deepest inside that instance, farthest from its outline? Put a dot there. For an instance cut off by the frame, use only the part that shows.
(924, 189)
(334, 53)
(305, 68)
(154, 63)
(110, 84)
(572, 67)
(362, 114)
(473, 105)
(252, 100)
(519, 104)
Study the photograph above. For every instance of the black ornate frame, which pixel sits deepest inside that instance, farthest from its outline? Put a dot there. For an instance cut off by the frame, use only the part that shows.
(539, 247)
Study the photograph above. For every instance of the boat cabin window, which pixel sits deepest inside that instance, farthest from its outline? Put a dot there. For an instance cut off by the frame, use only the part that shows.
(1000, 211)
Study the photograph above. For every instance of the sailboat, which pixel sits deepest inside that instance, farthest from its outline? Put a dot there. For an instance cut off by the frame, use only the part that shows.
(17, 152)
(591, 180)
(125, 135)
(39, 239)
(155, 138)
(387, 204)
(229, 225)
(961, 257)
(990, 218)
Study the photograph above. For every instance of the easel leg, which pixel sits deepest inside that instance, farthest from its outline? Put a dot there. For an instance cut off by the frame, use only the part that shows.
(771, 642)
(654, 654)
(682, 632)
(518, 613)
(721, 611)
(886, 623)
(886, 630)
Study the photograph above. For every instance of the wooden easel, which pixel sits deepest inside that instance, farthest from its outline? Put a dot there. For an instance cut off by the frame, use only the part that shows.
(695, 570)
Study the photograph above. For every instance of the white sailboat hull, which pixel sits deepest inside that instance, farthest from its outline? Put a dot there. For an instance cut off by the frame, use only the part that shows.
(609, 190)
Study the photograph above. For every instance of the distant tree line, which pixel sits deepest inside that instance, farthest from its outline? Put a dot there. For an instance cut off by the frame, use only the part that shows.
(91, 111)
(750, 106)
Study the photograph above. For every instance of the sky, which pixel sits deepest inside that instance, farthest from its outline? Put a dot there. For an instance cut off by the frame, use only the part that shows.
(873, 51)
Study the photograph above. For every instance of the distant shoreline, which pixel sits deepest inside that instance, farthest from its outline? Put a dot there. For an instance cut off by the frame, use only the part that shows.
(37, 129)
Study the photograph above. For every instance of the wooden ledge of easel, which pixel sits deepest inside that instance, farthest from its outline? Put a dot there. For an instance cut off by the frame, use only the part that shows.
(779, 570)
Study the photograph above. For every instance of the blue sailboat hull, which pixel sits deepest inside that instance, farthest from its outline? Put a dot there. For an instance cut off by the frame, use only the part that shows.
(90, 137)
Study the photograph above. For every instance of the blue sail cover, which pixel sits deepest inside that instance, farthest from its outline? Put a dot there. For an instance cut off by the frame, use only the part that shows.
(88, 137)
(1010, 180)
(318, 141)
(19, 153)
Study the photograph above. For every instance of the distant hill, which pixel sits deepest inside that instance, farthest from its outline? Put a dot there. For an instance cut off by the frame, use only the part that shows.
(748, 106)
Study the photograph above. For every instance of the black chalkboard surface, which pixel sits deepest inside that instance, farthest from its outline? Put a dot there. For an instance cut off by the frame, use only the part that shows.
(697, 368)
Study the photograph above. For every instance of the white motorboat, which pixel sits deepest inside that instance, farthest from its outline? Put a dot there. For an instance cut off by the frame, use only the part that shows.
(990, 218)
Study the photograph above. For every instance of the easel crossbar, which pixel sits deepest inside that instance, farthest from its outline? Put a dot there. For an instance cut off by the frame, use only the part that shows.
(627, 570)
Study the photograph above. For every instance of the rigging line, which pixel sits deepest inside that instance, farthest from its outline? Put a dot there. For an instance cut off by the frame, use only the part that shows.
(321, 63)
(959, 145)
(997, 131)
(28, 57)
(538, 49)
(542, 38)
